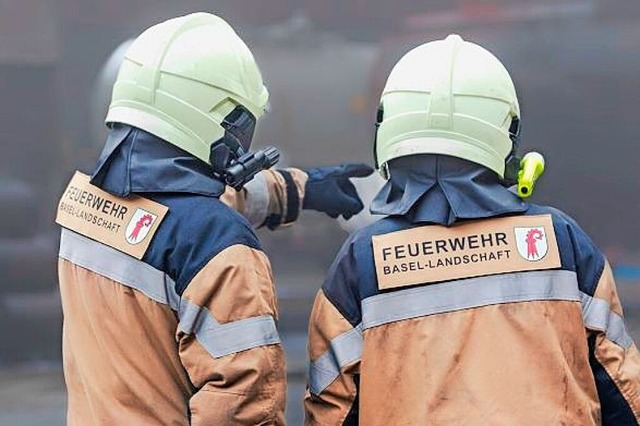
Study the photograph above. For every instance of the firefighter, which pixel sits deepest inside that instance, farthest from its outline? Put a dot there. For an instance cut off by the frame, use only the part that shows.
(465, 304)
(168, 299)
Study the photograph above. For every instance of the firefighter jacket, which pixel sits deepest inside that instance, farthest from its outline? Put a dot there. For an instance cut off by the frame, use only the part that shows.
(184, 331)
(429, 318)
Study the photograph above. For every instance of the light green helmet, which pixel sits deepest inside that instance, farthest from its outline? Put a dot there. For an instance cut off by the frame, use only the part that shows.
(181, 78)
(448, 97)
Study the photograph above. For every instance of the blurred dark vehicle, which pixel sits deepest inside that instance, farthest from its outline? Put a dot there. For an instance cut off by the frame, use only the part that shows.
(25, 251)
(575, 64)
(28, 298)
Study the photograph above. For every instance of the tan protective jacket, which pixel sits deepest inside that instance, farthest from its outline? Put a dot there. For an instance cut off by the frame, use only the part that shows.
(504, 321)
(170, 314)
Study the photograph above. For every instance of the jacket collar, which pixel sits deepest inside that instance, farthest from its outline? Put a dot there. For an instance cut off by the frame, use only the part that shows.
(443, 190)
(134, 161)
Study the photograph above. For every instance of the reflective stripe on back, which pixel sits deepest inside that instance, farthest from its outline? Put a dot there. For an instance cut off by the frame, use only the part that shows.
(122, 268)
(478, 292)
(217, 339)
(469, 293)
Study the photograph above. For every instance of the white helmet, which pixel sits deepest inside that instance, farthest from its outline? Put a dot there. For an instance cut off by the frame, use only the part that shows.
(449, 97)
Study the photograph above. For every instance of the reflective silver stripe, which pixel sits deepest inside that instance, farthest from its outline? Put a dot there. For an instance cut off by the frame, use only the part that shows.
(343, 350)
(469, 293)
(256, 205)
(217, 339)
(120, 267)
(225, 339)
(598, 315)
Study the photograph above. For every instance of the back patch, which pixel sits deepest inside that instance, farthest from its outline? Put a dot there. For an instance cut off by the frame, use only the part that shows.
(436, 253)
(126, 224)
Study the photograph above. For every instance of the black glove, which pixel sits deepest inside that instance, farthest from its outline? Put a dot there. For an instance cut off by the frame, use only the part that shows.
(329, 190)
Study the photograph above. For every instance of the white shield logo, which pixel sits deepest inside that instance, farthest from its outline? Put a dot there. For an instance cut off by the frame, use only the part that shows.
(531, 242)
(139, 226)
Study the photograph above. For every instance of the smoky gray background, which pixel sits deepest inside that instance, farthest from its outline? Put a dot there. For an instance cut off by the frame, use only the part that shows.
(576, 65)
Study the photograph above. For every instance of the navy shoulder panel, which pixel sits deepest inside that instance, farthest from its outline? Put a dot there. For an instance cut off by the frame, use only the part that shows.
(614, 407)
(577, 252)
(352, 276)
(340, 285)
(195, 229)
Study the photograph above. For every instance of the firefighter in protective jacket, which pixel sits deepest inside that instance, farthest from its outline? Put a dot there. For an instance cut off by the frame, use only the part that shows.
(465, 304)
(169, 302)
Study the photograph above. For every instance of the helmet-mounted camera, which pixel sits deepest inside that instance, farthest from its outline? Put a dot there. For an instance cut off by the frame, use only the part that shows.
(230, 157)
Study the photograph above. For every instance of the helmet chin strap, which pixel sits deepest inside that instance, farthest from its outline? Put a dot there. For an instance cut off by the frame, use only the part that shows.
(512, 162)
(384, 169)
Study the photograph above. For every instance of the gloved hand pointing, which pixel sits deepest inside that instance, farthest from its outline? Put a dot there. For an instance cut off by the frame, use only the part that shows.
(330, 191)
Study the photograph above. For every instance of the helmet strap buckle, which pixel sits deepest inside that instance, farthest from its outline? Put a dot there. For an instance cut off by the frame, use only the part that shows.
(379, 118)
(511, 169)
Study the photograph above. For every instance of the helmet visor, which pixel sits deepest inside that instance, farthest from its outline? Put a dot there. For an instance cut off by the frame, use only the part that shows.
(241, 124)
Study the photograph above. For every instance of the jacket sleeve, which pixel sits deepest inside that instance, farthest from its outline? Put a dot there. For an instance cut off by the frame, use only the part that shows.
(228, 342)
(334, 347)
(273, 198)
(614, 357)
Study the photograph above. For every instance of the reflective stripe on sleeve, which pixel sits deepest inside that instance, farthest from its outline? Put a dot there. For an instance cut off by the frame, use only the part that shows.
(120, 267)
(598, 315)
(226, 339)
(257, 200)
(469, 293)
(343, 350)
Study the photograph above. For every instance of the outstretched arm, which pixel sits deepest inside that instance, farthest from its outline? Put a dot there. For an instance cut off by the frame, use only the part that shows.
(272, 198)
(275, 197)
